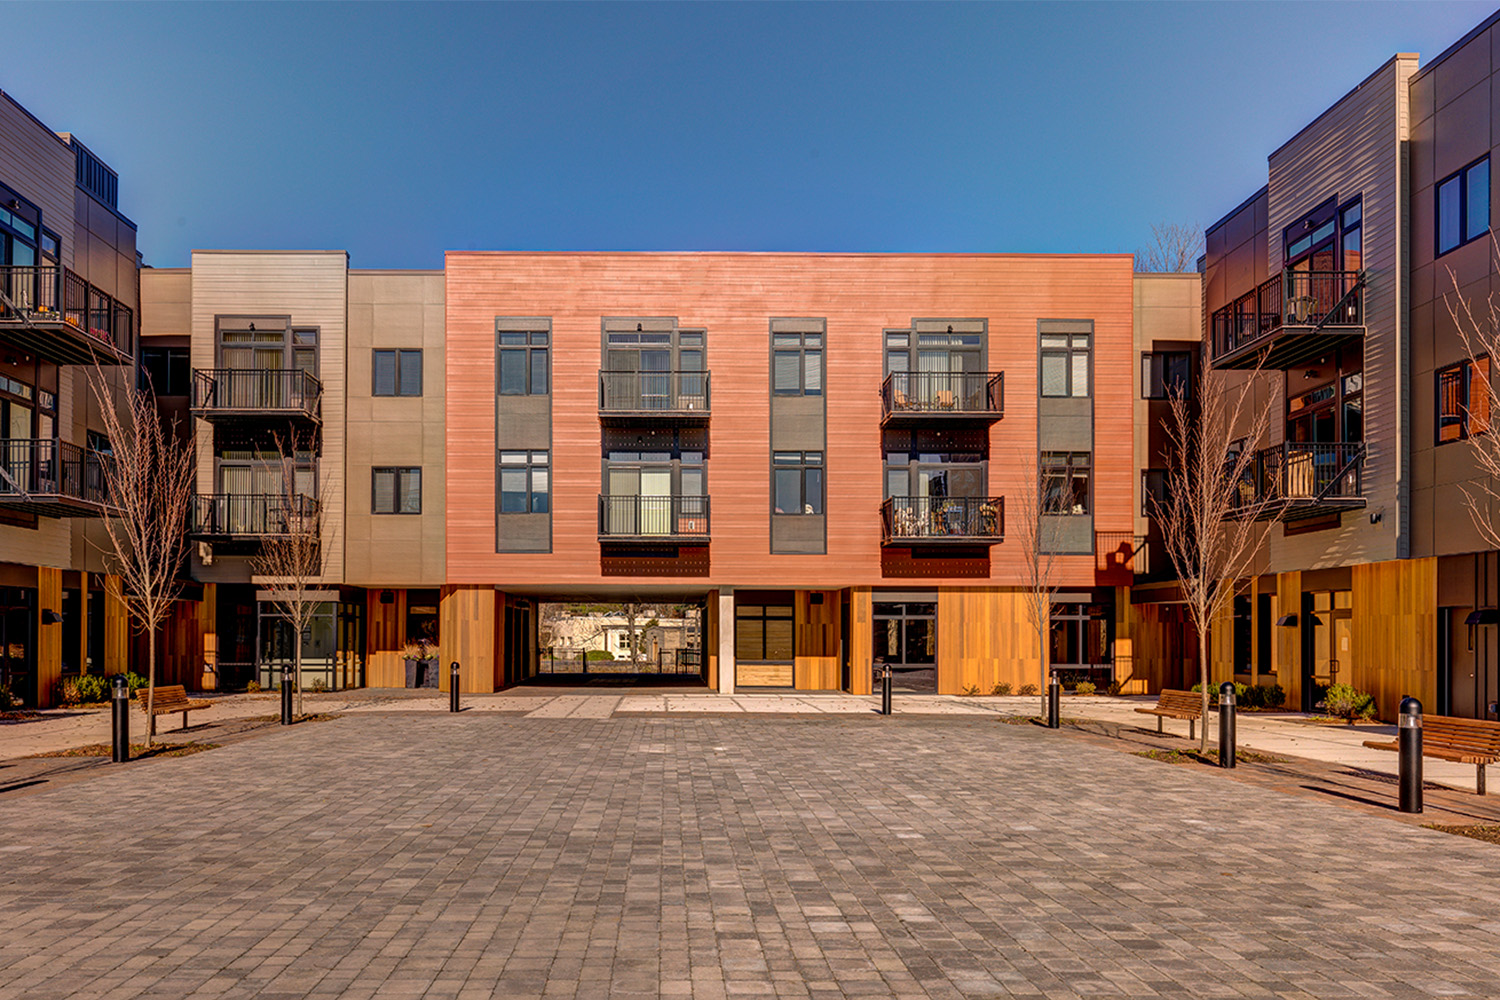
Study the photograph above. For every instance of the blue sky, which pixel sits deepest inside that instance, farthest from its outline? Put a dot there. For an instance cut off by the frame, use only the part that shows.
(398, 131)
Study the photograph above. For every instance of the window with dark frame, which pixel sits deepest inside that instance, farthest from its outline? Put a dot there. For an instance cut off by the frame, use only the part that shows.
(396, 373)
(396, 490)
(165, 371)
(522, 364)
(525, 482)
(1164, 371)
(1065, 364)
(1065, 482)
(1463, 206)
(1153, 491)
(1463, 405)
(797, 482)
(797, 364)
(763, 633)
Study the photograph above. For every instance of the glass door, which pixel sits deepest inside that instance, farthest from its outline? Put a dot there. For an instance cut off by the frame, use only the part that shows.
(906, 641)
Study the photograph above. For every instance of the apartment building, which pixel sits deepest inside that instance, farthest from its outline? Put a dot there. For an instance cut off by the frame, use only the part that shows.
(69, 301)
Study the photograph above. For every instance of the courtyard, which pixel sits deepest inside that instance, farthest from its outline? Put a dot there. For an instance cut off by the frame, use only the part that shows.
(408, 854)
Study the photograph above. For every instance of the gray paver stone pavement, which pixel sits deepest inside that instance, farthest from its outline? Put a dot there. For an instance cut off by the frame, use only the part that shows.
(479, 855)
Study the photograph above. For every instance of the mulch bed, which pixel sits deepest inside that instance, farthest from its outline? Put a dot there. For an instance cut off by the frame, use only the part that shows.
(1211, 757)
(1490, 834)
(137, 750)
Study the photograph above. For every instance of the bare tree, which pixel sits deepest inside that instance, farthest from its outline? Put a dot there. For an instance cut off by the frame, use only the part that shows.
(1479, 331)
(1035, 504)
(291, 558)
(1174, 249)
(1212, 516)
(148, 481)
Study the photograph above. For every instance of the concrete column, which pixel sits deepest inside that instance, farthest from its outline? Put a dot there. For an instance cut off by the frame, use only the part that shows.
(726, 641)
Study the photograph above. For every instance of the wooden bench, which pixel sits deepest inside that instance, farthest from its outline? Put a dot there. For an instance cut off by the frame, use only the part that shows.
(170, 698)
(1463, 741)
(1177, 705)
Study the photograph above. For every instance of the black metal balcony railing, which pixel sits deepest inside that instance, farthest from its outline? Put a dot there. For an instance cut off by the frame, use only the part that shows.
(654, 393)
(254, 392)
(1121, 551)
(1314, 308)
(1302, 479)
(252, 515)
(56, 300)
(943, 519)
(52, 478)
(943, 394)
(667, 518)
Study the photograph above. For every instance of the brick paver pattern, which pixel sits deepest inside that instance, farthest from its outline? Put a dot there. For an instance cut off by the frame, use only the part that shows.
(477, 855)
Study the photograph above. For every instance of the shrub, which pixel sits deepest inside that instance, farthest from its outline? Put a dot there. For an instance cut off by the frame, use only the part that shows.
(133, 683)
(253, 687)
(600, 654)
(1027, 689)
(319, 685)
(1254, 697)
(8, 701)
(1114, 689)
(972, 691)
(1344, 702)
(84, 689)
(1002, 689)
(1084, 687)
(1275, 695)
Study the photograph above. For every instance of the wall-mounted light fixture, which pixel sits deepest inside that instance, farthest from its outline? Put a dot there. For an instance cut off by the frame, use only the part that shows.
(50, 617)
(1483, 616)
(386, 597)
(1287, 621)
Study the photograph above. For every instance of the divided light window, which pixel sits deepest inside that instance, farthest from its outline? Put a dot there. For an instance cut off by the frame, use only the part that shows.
(1153, 491)
(165, 371)
(396, 491)
(1463, 206)
(798, 482)
(523, 364)
(797, 364)
(1163, 371)
(397, 373)
(763, 633)
(524, 482)
(1065, 482)
(1463, 406)
(1065, 364)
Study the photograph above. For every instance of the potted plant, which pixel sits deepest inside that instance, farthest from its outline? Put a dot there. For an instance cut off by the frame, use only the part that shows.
(421, 664)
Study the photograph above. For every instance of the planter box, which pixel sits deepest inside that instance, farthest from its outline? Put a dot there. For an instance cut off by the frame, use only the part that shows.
(421, 673)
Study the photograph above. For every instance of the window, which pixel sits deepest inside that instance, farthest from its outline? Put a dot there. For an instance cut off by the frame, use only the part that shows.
(1065, 482)
(797, 364)
(397, 373)
(1463, 400)
(1351, 227)
(1065, 364)
(524, 482)
(164, 370)
(935, 464)
(396, 491)
(1463, 206)
(523, 366)
(763, 633)
(798, 482)
(1165, 371)
(1153, 491)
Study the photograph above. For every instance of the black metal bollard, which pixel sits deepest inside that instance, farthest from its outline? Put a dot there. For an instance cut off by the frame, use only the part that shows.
(286, 696)
(1054, 703)
(453, 686)
(1226, 724)
(885, 690)
(119, 707)
(1409, 752)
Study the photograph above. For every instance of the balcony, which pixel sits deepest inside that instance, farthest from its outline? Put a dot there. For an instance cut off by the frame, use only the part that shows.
(1300, 480)
(943, 520)
(1290, 320)
(250, 516)
(910, 398)
(56, 315)
(670, 519)
(675, 397)
(223, 394)
(52, 478)
(1121, 552)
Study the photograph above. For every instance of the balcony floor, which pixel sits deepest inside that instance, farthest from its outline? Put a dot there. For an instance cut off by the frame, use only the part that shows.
(1289, 347)
(59, 342)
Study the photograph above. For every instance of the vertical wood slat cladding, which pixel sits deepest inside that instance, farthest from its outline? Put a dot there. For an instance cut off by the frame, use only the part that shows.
(471, 631)
(1154, 648)
(984, 637)
(817, 635)
(861, 640)
(711, 640)
(385, 637)
(116, 626)
(1289, 640)
(48, 637)
(1394, 632)
(733, 296)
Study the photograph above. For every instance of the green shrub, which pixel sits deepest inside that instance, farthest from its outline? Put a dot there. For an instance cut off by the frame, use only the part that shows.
(84, 689)
(1027, 689)
(253, 687)
(1002, 689)
(133, 683)
(1275, 695)
(1254, 697)
(319, 685)
(1084, 687)
(1114, 689)
(8, 701)
(600, 654)
(1344, 702)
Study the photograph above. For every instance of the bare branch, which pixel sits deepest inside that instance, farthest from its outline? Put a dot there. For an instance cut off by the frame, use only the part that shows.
(1174, 249)
(1479, 331)
(1032, 506)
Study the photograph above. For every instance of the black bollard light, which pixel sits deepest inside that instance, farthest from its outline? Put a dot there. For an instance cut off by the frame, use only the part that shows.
(1409, 752)
(453, 686)
(1226, 724)
(885, 690)
(286, 696)
(1054, 703)
(119, 707)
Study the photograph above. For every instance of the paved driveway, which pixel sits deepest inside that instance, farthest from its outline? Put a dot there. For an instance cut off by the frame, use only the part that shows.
(481, 855)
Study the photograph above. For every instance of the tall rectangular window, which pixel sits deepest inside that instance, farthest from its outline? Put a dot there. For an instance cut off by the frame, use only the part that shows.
(797, 364)
(763, 633)
(396, 491)
(1065, 364)
(797, 485)
(165, 370)
(1162, 372)
(1463, 400)
(1463, 206)
(1153, 491)
(1065, 482)
(523, 364)
(525, 483)
(397, 373)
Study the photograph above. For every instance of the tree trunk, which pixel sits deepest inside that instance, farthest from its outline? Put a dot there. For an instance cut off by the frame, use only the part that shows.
(1041, 637)
(1203, 681)
(297, 669)
(150, 684)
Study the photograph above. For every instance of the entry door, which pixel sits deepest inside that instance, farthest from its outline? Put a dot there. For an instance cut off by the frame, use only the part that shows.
(656, 501)
(1463, 673)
